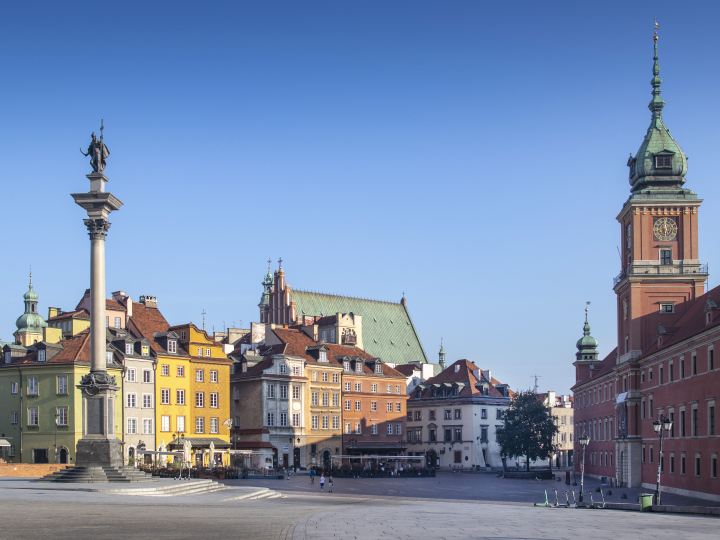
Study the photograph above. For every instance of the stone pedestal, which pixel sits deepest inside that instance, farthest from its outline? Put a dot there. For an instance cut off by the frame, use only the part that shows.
(99, 447)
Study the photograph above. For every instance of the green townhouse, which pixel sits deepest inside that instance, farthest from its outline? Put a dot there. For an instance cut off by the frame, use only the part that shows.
(40, 404)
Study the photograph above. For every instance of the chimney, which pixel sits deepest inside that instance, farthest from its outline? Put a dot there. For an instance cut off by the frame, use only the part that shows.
(54, 312)
(149, 301)
(488, 375)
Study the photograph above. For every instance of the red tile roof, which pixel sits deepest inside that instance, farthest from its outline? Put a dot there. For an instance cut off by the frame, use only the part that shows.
(145, 321)
(115, 305)
(78, 314)
(406, 369)
(464, 374)
(75, 349)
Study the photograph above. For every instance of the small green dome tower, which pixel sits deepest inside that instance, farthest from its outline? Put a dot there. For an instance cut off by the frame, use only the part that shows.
(587, 345)
(30, 324)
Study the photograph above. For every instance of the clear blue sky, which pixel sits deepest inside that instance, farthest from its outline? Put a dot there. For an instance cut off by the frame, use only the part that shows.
(471, 154)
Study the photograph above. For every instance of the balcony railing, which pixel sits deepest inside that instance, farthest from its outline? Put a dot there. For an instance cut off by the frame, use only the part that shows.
(660, 269)
(349, 339)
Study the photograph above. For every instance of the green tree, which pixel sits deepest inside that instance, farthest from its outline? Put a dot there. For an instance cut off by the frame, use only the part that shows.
(528, 428)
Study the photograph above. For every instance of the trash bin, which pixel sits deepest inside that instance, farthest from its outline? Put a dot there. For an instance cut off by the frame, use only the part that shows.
(646, 501)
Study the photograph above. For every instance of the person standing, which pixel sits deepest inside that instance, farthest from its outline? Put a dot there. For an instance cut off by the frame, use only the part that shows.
(330, 482)
(322, 482)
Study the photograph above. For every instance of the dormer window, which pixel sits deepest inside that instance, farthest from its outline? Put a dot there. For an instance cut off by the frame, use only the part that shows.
(108, 357)
(172, 347)
(663, 161)
(457, 368)
(378, 368)
(708, 317)
(359, 366)
(283, 369)
(182, 334)
(41, 355)
(8, 357)
(346, 365)
(146, 349)
(128, 348)
(323, 356)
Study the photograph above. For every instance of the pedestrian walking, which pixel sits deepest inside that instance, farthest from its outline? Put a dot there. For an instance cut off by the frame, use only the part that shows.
(312, 477)
(330, 481)
(322, 482)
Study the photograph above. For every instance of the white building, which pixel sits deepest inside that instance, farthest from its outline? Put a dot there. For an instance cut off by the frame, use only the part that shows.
(452, 417)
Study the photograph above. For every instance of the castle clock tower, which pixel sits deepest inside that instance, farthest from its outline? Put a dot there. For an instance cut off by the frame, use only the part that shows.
(661, 271)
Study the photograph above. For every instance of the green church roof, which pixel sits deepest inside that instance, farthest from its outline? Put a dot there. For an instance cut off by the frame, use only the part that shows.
(387, 329)
(660, 164)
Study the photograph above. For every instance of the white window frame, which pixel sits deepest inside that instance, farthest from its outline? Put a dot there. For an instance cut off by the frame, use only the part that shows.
(172, 346)
(131, 400)
(199, 399)
(32, 386)
(347, 386)
(214, 425)
(147, 401)
(147, 376)
(131, 426)
(207, 352)
(180, 397)
(180, 424)
(33, 416)
(199, 424)
(131, 375)
(147, 426)
(214, 400)
(14, 388)
(164, 423)
(199, 375)
(165, 370)
(118, 322)
(213, 376)
(62, 384)
(129, 349)
(14, 417)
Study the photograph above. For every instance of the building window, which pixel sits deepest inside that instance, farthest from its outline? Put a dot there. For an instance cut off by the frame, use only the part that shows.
(398, 429)
(374, 430)
(348, 429)
(672, 463)
(172, 346)
(389, 388)
(283, 391)
(458, 434)
(448, 414)
(324, 377)
(146, 350)
(132, 426)
(117, 322)
(283, 369)
(336, 422)
(199, 399)
(378, 368)
(314, 376)
(389, 406)
(62, 387)
(181, 371)
(373, 388)
(14, 417)
(711, 359)
(336, 400)
(131, 375)
(713, 466)
(663, 162)
(296, 392)
(483, 414)
(336, 377)
(199, 349)
(62, 416)
(323, 356)
(132, 400)
(147, 401)
(41, 355)
(665, 256)
(347, 404)
(418, 416)
(181, 424)
(107, 321)
(207, 352)
(694, 422)
(357, 428)
(165, 370)
(128, 348)
(147, 426)
(373, 405)
(214, 401)
(409, 415)
(214, 425)
(398, 390)
(164, 423)
(346, 367)
(296, 419)
(199, 424)
(182, 334)
(199, 375)
(270, 419)
(667, 308)
(711, 420)
(358, 366)
(697, 464)
(358, 387)
(213, 376)
(357, 405)
(448, 435)
(458, 414)
(180, 396)
(315, 421)
(398, 408)
(326, 399)
(694, 363)
(14, 388)
(389, 429)
(498, 414)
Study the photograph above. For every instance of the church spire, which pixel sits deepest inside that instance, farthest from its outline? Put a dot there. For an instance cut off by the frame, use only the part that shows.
(656, 104)
(441, 355)
(660, 165)
(587, 345)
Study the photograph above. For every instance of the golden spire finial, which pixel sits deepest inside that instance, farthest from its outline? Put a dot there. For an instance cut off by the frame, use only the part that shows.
(656, 29)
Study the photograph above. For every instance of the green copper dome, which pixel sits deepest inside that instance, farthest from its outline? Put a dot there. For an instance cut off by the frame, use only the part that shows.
(587, 345)
(659, 163)
(267, 285)
(30, 321)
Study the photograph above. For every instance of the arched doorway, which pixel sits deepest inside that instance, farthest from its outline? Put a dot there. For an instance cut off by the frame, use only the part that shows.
(431, 458)
(326, 459)
(63, 455)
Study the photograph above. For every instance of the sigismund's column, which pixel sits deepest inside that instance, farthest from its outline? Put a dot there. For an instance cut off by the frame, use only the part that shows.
(98, 447)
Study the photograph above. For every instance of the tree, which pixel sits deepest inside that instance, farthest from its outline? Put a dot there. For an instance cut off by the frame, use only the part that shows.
(528, 428)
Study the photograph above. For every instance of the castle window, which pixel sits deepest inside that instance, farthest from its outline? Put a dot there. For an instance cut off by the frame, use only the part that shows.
(667, 308)
(663, 162)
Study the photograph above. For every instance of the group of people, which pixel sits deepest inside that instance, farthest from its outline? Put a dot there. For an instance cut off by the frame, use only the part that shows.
(322, 481)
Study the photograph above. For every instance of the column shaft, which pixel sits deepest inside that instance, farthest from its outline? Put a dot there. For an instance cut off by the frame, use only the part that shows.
(97, 303)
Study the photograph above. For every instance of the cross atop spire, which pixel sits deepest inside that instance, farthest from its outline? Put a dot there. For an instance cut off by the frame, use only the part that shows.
(280, 262)
(269, 262)
(656, 104)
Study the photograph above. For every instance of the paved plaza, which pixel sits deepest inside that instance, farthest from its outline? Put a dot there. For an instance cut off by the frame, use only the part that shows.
(30, 511)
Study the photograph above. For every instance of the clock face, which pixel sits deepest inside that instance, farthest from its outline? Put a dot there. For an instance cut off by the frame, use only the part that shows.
(665, 229)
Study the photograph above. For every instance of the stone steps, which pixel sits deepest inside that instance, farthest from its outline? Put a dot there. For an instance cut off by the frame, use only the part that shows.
(188, 487)
(92, 475)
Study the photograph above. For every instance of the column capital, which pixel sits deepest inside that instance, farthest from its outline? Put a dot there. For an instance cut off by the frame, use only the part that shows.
(97, 228)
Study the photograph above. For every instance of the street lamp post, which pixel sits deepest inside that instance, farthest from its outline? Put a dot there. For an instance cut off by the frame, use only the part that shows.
(56, 425)
(584, 440)
(663, 423)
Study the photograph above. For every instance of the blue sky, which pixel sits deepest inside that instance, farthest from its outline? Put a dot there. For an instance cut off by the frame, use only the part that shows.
(470, 154)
